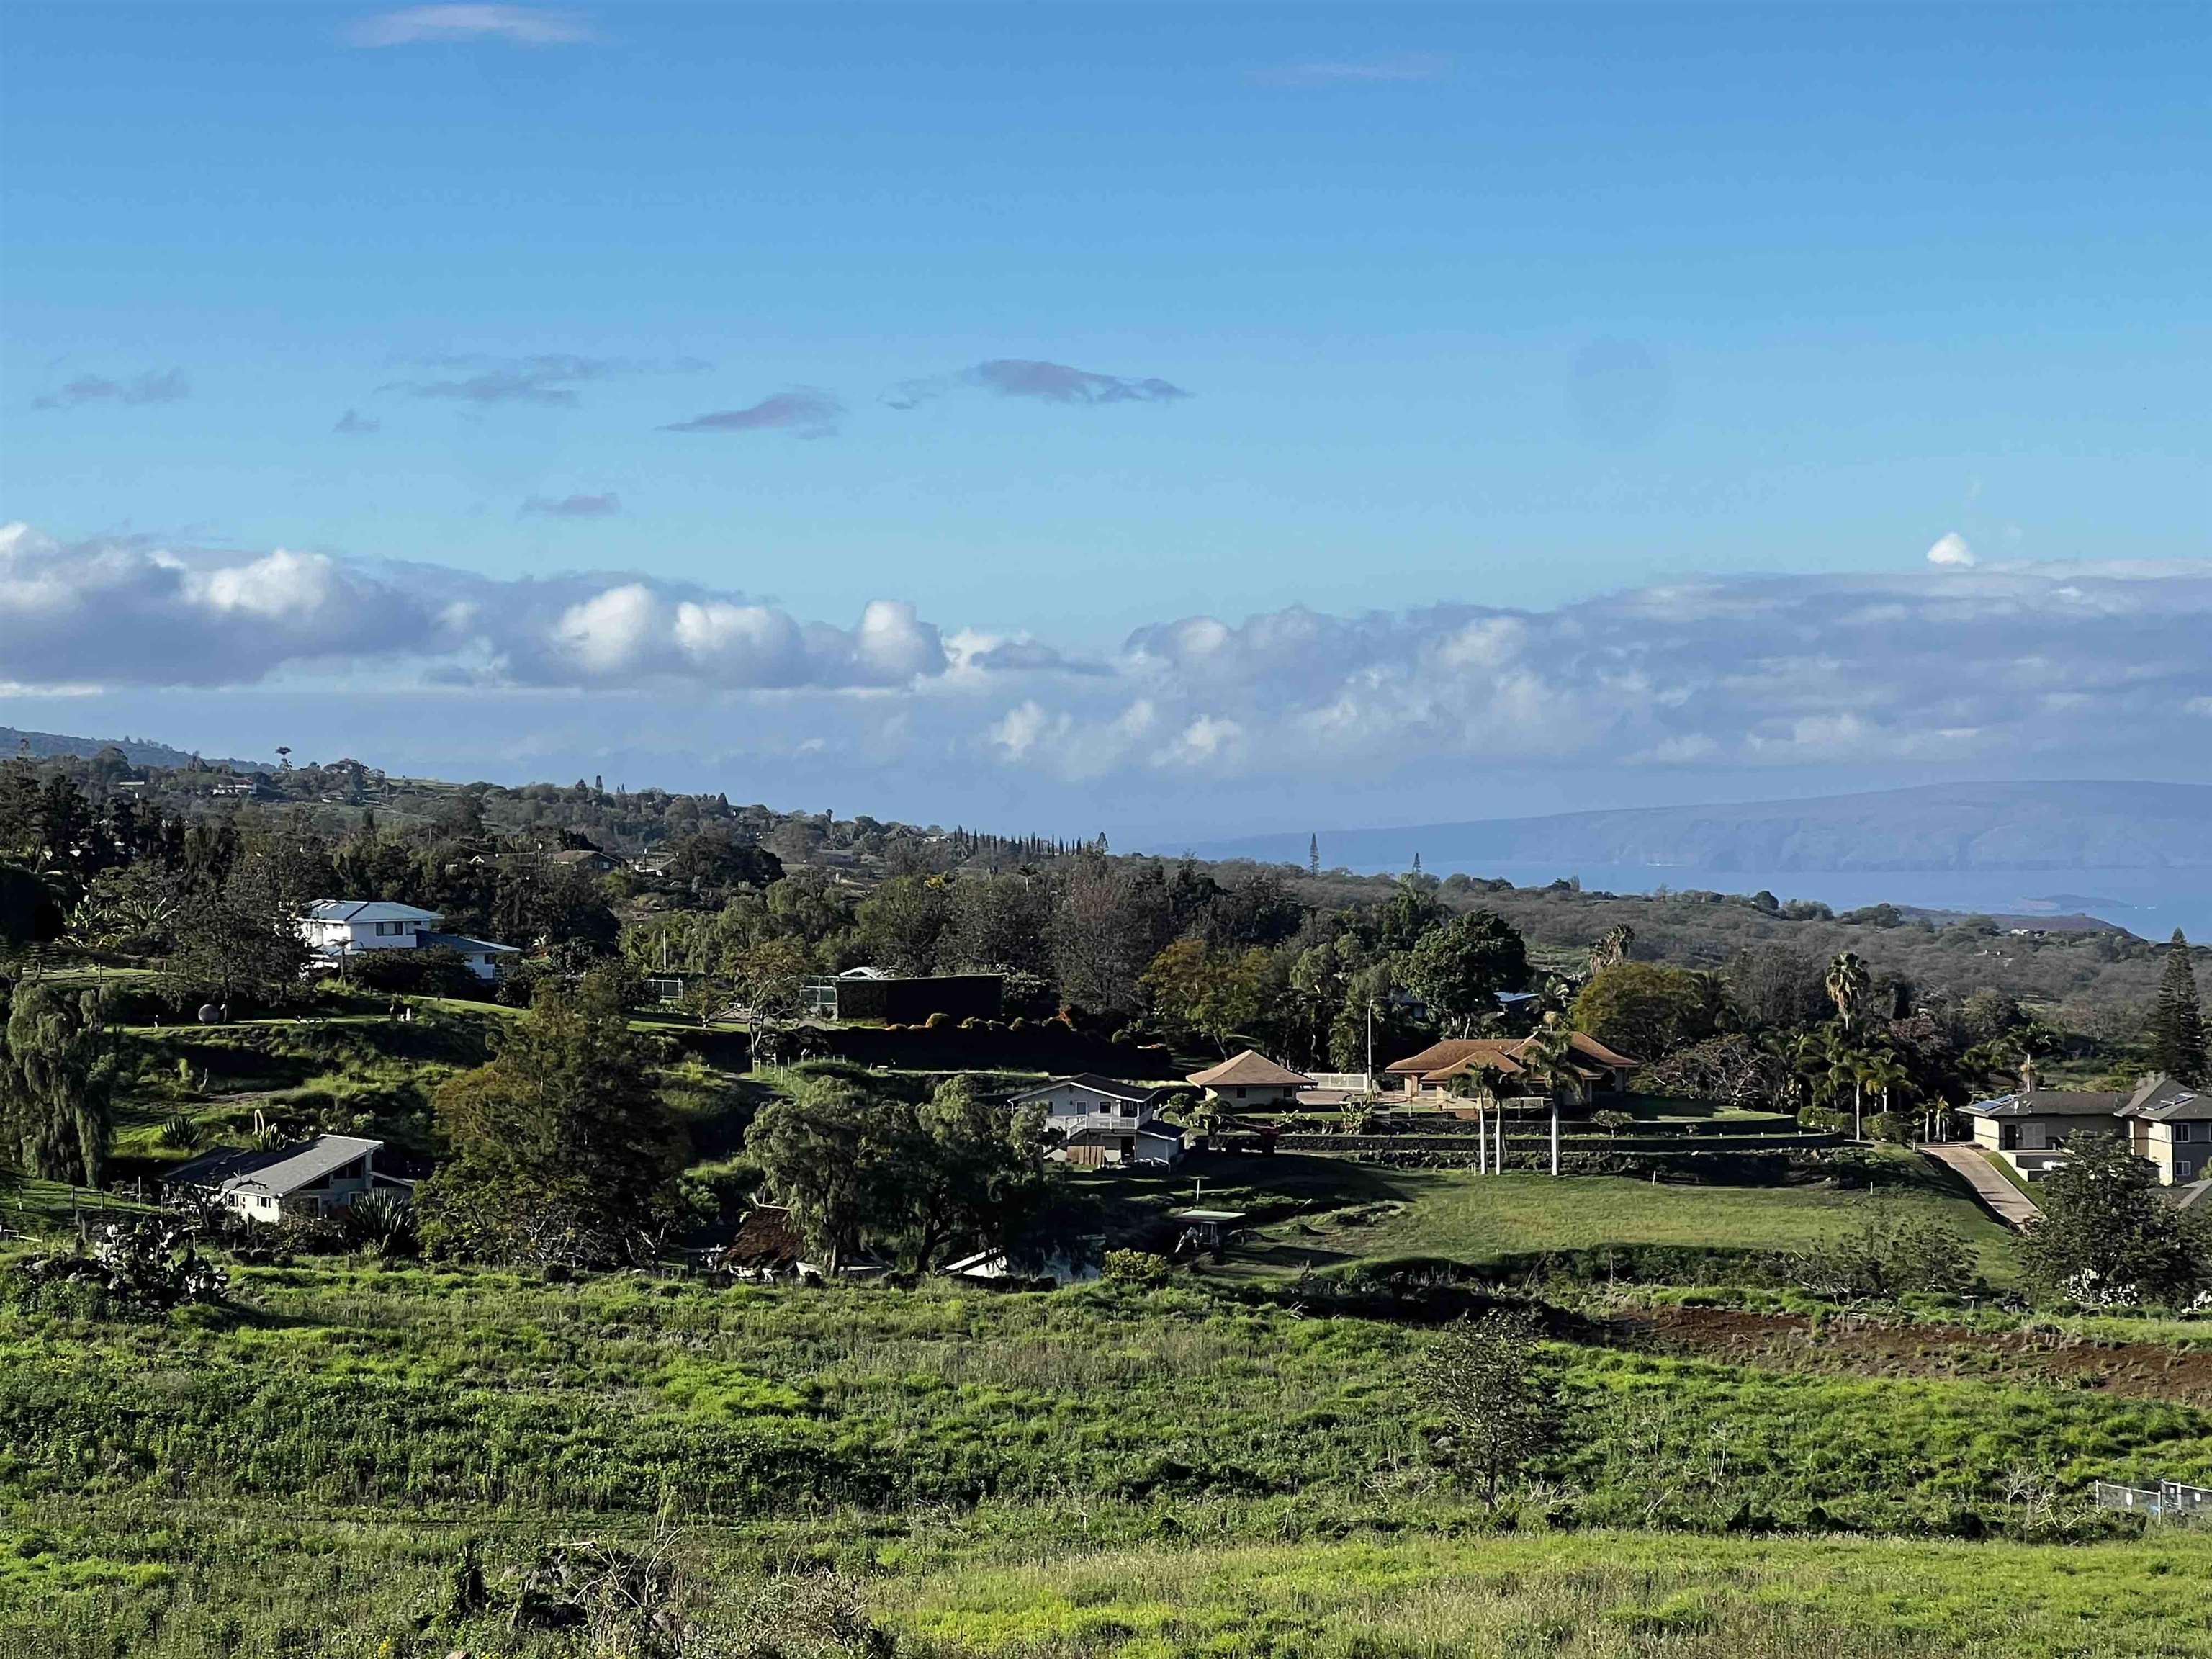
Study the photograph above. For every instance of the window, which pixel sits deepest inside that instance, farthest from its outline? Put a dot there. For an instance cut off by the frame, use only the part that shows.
(2185, 1132)
(1128, 1110)
(2183, 1168)
(2008, 1137)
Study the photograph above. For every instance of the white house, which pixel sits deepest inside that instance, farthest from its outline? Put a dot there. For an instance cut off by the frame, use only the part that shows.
(1101, 1119)
(336, 929)
(320, 1177)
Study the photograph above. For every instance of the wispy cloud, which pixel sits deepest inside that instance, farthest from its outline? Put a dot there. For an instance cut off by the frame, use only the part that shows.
(521, 25)
(806, 411)
(166, 385)
(354, 424)
(572, 506)
(1391, 68)
(1045, 382)
(550, 378)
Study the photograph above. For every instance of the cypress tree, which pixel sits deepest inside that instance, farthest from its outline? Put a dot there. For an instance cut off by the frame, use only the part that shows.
(2177, 1018)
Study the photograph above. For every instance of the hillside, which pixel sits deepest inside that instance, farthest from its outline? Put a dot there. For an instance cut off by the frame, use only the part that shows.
(139, 751)
(1980, 826)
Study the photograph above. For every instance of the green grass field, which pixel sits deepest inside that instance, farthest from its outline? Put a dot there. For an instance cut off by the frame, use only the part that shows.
(1097, 1471)
(1326, 1214)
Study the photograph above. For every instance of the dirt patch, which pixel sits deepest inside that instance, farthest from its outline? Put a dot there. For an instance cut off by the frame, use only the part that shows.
(1865, 1347)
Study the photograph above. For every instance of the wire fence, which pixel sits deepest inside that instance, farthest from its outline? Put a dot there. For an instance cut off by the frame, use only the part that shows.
(2172, 1500)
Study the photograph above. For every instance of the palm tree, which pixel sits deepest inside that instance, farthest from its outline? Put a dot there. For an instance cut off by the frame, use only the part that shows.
(1612, 946)
(1480, 1085)
(1548, 1058)
(1848, 983)
(1880, 1071)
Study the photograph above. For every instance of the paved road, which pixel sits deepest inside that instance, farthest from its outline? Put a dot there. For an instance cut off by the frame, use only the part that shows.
(2013, 1206)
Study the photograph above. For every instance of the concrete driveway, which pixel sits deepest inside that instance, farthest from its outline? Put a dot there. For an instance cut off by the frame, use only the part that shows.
(2010, 1205)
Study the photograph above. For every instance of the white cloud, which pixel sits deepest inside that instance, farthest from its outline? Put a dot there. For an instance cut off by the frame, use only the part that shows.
(126, 612)
(1951, 549)
(2084, 668)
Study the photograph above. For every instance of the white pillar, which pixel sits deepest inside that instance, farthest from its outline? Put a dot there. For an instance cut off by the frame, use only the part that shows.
(1555, 1136)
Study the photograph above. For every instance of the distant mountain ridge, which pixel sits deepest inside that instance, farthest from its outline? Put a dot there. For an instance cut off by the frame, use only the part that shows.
(139, 751)
(1975, 826)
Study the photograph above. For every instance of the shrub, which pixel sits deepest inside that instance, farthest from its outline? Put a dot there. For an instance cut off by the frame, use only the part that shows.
(937, 1022)
(1135, 1267)
(147, 1266)
(1891, 1253)
(1897, 1128)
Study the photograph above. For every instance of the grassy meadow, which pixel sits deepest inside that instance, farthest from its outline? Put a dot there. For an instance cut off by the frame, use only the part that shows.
(1097, 1470)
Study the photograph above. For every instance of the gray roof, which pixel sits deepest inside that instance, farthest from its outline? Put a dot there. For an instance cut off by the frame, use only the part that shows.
(1112, 1088)
(462, 942)
(278, 1170)
(2048, 1103)
(2162, 1100)
(366, 910)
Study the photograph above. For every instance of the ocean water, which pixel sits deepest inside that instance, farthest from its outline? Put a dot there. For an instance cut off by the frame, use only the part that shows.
(2150, 902)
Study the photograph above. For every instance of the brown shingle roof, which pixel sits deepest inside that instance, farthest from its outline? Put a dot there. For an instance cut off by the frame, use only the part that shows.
(1442, 1061)
(1250, 1070)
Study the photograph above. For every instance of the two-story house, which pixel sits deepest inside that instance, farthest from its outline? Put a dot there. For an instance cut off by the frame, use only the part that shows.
(1101, 1119)
(2170, 1124)
(336, 929)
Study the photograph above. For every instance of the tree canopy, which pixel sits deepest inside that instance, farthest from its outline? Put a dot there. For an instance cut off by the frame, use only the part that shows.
(560, 1149)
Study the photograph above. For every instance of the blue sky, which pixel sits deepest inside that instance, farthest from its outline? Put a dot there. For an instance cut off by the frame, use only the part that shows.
(1380, 308)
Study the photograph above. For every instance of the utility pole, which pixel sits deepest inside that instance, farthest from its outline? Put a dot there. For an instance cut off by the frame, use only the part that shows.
(1370, 1045)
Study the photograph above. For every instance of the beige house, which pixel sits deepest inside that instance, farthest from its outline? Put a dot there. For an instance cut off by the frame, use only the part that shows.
(2170, 1124)
(2165, 1122)
(1251, 1080)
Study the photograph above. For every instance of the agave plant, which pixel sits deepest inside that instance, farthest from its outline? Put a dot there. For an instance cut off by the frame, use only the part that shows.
(384, 1222)
(179, 1132)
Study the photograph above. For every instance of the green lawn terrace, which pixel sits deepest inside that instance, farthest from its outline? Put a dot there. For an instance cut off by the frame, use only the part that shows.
(1311, 1213)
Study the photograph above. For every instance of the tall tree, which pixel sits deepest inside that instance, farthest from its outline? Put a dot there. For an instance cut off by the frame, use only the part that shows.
(822, 1151)
(561, 1150)
(2177, 1018)
(56, 1075)
(1459, 967)
(1647, 1010)
(1848, 983)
